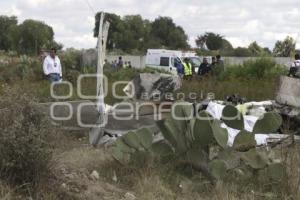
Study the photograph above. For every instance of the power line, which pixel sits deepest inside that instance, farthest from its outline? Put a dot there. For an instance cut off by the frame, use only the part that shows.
(90, 6)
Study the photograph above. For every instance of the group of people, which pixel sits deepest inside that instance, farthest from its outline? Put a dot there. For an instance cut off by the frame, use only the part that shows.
(53, 70)
(187, 70)
(120, 64)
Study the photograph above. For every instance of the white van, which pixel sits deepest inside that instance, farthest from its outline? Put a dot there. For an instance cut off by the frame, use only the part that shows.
(163, 59)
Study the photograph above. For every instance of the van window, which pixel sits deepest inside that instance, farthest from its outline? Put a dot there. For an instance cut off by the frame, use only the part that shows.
(173, 61)
(164, 61)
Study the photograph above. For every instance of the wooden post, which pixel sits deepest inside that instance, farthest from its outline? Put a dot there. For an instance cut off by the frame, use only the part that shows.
(97, 132)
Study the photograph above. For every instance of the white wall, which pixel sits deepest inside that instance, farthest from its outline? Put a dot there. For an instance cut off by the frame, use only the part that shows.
(90, 59)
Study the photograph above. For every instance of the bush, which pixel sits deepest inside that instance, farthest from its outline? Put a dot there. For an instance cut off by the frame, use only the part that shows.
(24, 154)
(24, 68)
(254, 69)
(71, 60)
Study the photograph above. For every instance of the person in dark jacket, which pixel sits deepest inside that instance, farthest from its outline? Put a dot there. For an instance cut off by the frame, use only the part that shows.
(219, 67)
(179, 67)
(204, 67)
(213, 61)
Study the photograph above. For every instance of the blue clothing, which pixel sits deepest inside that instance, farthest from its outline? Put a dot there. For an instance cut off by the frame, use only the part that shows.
(204, 68)
(54, 77)
(179, 68)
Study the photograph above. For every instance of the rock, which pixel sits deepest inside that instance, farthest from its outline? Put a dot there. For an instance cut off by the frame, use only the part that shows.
(129, 196)
(64, 185)
(147, 86)
(95, 175)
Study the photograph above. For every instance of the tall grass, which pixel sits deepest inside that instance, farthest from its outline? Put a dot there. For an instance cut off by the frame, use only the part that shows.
(254, 79)
(251, 89)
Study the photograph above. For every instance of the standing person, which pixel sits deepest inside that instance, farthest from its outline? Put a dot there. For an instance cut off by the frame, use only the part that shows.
(120, 62)
(295, 67)
(188, 71)
(129, 65)
(204, 68)
(114, 64)
(213, 61)
(52, 67)
(125, 65)
(179, 67)
(219, 68)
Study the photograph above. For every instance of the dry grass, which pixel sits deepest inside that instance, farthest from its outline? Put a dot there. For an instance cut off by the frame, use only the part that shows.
(6, 193)
(253, 90)
(153, 181)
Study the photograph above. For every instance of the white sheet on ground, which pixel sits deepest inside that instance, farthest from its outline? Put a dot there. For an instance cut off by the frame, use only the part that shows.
(215, 110)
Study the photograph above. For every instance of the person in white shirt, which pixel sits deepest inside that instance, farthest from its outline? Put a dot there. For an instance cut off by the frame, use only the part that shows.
(295, 67)
(52, 67)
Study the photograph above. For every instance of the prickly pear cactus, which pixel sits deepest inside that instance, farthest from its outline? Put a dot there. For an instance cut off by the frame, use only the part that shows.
(269, 123)
(255, 159)
(218, 168)
(244, 141)
(202, 131)
(220, 134)
(188, 139)
(233, 118)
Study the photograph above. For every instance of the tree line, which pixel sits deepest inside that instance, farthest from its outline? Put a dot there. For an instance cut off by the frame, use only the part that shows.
(211, 43)
(132, 34)
(28, 37)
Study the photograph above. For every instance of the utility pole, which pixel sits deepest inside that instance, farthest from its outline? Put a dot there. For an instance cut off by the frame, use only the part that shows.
(97, 132)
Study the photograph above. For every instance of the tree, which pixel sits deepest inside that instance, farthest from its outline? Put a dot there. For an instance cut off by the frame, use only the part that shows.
(169, 34)
(132, 32)
(7, 24)
(210, 40)
(267, 51)
(227, 48)
(116, 29)
(242, 52)
(137, 31)
(201, 41)
(285, 48)
(31, 36)
(255, 49)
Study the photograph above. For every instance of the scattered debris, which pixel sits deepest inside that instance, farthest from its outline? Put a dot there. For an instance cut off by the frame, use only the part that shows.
(95, 175)
(115, 178)
(129, 196)
(155, 87)
(64, 186)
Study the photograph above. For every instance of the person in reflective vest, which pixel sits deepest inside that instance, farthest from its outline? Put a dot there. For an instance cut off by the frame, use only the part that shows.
(187, 66)
(125, 65)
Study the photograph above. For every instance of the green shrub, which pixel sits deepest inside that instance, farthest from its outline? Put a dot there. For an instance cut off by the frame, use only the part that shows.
(254, 69)
(24, 68)
(24, 154)
(71, 60)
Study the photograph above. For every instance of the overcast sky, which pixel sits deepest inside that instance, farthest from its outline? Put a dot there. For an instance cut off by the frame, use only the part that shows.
(240, 21)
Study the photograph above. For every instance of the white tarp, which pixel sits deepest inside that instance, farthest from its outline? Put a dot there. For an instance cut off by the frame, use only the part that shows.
(216, 109)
